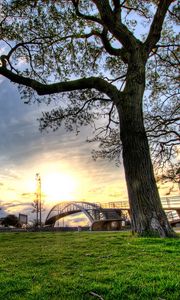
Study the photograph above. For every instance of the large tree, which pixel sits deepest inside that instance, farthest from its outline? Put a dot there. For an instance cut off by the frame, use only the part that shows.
(96, 54)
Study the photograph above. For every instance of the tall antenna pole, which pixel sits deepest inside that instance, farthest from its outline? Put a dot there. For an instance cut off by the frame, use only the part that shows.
(38, 199)
(37, 204)
(40, 206)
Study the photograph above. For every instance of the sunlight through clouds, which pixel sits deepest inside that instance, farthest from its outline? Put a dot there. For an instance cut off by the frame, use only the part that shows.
(62, 159)
(59, 186)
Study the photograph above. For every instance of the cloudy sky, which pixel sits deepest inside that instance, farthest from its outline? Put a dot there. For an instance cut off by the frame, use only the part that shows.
(62, 159)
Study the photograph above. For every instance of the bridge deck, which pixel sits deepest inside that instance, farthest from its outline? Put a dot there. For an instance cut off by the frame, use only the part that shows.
(110, 210)
(168, 203)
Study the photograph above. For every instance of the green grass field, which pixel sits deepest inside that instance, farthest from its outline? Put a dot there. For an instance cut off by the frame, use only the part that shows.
(88, 265)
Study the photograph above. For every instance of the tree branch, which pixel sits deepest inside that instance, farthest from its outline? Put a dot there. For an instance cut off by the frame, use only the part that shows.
(38, 41)
(117, 9)
(115, 26)
(108, 47)
(53, 116)
(85, 17)
(44, 89)
(156, 26)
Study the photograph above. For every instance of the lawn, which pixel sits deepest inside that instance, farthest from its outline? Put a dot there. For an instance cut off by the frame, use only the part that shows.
(88, 265)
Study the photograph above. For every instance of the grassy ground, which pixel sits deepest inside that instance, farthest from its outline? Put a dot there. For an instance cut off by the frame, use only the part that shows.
(75, 265)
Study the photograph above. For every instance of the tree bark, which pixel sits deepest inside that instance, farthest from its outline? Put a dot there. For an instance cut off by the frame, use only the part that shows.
(147, 215)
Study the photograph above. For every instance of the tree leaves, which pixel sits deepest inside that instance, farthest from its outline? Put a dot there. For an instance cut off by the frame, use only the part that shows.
(52, 41)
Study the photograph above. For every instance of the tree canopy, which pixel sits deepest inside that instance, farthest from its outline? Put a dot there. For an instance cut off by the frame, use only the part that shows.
(60, 40)
(114, 62)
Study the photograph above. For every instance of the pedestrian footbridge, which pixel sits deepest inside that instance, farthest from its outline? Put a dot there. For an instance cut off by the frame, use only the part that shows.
(108, 216)
(99, 217)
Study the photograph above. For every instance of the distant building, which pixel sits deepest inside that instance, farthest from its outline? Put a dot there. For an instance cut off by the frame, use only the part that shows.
(2, 213)
(23, 219)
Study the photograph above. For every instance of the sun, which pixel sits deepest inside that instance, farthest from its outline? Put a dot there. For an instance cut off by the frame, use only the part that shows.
(58, 186)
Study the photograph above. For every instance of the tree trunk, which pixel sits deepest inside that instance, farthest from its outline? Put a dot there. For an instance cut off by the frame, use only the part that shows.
(147, 215)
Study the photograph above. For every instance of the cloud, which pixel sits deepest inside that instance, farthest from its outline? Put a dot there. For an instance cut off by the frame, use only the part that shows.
(27, 195)
(75, 220)
(24, 151)
(15, 208)
(115, 194)
(8, 173)
(21, 139)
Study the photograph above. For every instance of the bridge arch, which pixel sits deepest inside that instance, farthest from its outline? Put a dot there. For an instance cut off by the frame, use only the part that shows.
(107, 212)
(91, 210)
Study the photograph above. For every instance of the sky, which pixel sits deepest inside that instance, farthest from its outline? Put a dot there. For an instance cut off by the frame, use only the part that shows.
(62, 159)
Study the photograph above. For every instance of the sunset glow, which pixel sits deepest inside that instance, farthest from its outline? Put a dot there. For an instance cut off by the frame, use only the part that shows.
(62, 159)
(57, 186)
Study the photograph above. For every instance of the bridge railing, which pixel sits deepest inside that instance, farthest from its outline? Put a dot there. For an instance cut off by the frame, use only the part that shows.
(167, 202)
(170, 202)
(117, 204)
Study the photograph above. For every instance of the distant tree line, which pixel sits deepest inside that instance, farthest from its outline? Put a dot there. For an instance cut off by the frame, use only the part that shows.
(11, 220)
